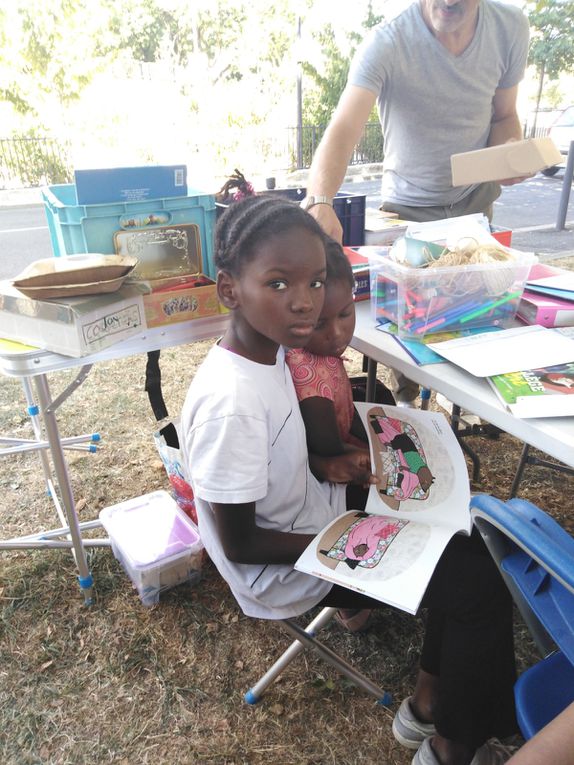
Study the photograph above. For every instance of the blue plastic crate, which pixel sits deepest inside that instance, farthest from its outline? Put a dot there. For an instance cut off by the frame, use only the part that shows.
(350, 209)
(78, 228)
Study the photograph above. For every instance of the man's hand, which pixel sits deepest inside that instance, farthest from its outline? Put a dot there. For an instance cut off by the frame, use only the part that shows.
(514, 181)
(326, 217)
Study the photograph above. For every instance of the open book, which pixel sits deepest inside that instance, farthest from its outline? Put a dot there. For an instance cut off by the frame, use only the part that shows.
(390, 551)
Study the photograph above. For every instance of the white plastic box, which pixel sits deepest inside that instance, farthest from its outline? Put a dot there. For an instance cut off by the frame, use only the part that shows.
(422, 301)
(155, 542)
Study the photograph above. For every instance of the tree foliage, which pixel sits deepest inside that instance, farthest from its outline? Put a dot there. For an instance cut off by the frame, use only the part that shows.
(329, 78)
(552, 39)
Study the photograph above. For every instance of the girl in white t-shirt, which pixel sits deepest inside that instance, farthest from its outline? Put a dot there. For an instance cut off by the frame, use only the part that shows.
(259, 504)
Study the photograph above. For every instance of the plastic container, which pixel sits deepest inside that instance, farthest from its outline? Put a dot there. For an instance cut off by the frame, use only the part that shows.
(78, 228)
(423, 301)
(350, 209)
(157, 545)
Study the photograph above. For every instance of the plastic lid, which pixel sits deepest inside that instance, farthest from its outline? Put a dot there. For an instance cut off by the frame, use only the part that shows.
(149, 529)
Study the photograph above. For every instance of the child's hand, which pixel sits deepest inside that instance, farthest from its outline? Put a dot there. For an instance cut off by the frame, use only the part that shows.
(354, 466)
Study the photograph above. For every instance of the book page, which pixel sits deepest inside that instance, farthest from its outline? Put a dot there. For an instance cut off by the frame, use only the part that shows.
(390, 551)
(510, 350)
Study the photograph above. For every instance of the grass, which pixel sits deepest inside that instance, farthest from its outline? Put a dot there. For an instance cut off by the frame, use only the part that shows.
(120, 683)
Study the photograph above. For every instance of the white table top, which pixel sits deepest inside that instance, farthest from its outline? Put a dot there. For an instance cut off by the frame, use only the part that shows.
(36, 362)
(552, 435)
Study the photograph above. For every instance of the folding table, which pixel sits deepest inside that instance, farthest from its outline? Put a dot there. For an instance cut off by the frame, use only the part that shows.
(33, 367)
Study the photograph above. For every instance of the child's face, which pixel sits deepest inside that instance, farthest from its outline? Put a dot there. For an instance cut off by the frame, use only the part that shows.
(336, 324)
(280, 291)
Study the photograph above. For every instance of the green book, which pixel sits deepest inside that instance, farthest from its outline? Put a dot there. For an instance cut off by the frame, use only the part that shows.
(546, 392)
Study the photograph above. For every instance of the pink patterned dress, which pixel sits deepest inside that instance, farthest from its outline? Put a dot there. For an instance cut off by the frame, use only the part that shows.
(326, 377)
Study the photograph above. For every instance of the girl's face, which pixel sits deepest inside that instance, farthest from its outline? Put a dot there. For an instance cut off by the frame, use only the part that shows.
(278, 296)
(336, 324)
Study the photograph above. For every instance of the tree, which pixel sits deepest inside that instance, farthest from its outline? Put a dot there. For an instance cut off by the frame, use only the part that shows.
(45, 54)
(552, 40)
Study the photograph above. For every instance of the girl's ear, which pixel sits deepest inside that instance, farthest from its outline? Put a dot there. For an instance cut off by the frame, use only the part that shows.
(226, 290)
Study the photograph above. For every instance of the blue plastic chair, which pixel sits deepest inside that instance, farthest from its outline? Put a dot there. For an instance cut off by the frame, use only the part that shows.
(536, 558)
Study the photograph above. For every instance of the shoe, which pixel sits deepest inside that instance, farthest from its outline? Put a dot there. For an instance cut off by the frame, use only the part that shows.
(492, 752)
(355, 621)
(409, 731)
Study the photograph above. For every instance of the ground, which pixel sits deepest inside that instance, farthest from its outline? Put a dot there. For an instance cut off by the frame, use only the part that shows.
(120, 683)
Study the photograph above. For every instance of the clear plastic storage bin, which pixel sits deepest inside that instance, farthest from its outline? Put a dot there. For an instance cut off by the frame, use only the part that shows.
(156, 543)
(421, 301)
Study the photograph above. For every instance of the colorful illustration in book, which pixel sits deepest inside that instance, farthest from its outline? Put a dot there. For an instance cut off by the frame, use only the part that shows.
(559, 378)
(361, 541)
(400, 460)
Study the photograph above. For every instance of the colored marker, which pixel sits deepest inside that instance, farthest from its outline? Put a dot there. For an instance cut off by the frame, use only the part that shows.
(490, 307)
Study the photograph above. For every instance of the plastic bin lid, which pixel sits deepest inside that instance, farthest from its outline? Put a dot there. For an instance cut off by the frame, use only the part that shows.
(149, 529)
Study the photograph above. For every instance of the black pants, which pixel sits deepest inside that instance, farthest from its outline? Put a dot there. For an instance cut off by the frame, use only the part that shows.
(468, 643)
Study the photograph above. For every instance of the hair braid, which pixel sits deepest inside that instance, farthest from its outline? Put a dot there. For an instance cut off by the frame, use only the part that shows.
(245, 224)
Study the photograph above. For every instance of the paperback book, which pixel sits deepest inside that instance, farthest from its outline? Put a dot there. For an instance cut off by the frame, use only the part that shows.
(390, 550)
(545, 392)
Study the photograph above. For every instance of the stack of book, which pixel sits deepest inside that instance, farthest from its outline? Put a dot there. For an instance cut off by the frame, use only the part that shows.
(548, 298)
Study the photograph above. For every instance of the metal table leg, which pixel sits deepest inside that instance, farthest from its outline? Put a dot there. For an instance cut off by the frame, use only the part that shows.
(48, 408)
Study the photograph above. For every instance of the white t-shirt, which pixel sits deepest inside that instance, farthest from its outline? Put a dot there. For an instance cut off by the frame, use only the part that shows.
(432, 103)
(244, 441)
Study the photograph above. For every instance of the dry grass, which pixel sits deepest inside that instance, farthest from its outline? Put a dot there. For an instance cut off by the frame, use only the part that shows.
(119, 683)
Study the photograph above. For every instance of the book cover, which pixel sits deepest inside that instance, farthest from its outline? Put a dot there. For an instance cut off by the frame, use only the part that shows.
(419, 350)
(560, 285)
(390, 550)
(544, 392)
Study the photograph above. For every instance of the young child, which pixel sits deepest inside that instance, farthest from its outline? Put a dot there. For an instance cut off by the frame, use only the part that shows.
(259, 504)
(323, 388)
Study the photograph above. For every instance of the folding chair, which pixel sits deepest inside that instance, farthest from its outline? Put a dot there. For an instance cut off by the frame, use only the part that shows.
(305, 638)
(536, 558)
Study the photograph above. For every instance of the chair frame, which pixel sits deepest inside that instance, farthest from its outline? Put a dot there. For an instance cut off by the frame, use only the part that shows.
(305, 639)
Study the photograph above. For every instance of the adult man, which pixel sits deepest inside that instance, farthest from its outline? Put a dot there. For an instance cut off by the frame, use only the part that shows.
(445, 76)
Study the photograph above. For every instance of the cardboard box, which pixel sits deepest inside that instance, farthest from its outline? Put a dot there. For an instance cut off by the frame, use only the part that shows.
(168, 301)
(130, 184)
(509, 160)
(157, 545)
(75, 326)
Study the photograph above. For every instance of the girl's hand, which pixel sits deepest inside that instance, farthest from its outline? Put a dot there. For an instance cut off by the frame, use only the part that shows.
(354, 466)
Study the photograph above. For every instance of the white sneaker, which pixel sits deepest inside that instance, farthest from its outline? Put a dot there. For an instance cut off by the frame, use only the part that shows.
(492, 752)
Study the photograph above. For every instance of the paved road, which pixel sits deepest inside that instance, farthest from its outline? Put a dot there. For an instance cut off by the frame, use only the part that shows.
(529, 209)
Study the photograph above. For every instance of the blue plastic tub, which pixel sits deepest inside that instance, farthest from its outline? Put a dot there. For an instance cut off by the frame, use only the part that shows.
(78, 228)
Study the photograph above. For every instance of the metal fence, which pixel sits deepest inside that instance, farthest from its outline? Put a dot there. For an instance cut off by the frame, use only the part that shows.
(26, 162)
(302, 144)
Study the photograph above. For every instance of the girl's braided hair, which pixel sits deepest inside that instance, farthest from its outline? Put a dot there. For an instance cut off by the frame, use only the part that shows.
(338, 266)
(245, 224)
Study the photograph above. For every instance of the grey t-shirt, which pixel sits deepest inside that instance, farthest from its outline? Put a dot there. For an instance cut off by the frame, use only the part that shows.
(432, 103)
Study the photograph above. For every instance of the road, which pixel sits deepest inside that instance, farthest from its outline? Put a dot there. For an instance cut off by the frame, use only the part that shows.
(529, 209)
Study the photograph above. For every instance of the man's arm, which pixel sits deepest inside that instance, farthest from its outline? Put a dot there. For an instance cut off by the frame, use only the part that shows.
(505, 125)
(334, 152)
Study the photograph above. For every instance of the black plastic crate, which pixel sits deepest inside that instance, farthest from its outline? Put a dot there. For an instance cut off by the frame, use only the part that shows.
(295, 195)
(349, 208)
